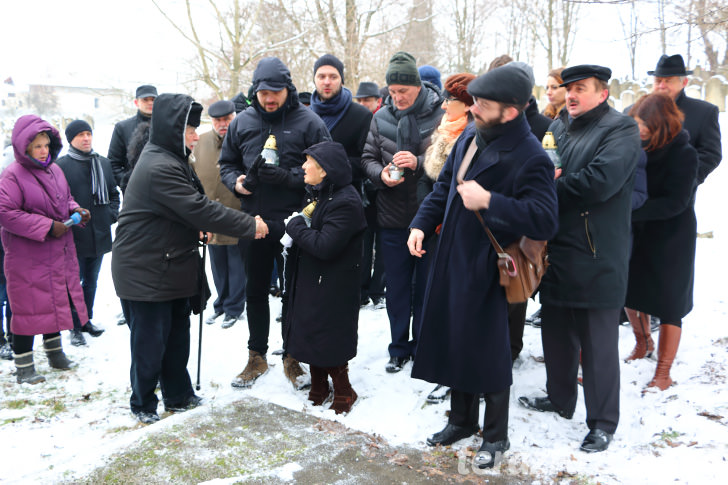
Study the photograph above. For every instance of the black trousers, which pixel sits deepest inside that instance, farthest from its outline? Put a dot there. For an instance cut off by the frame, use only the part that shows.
(516, 322)
(24, 343)
(464, 412)
(160, 350)
(259, 258)
(566, 331)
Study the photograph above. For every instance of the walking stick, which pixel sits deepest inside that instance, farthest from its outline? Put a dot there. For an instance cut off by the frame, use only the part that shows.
(202, 295)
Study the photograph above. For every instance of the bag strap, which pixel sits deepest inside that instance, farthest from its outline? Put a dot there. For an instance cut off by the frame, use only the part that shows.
(467, 160)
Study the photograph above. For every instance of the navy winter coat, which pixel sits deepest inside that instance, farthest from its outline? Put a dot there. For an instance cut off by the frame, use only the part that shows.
(464, 339)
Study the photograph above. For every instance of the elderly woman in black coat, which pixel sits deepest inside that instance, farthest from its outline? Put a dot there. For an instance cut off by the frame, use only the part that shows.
(323, 312)
(662, 265)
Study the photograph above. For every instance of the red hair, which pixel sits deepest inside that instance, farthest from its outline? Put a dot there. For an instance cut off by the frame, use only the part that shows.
(661, 116)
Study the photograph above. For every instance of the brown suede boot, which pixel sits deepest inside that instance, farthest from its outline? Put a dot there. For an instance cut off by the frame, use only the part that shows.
(320, 389)
(257, 366)
(292, 369)
(344, 395)
(644, 345)
(667, 349)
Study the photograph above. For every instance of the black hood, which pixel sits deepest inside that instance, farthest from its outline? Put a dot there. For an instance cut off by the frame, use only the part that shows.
(272, 73)
(332, 158)
(169, 120)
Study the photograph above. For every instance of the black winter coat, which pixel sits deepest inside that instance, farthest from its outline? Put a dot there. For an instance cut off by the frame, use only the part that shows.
(94, 238)
(295, 128)
(117, 148)
(590, 254)
(539, 123)
(397, 205)
(661, 270)
(351, 131)
(701, 121)
(323, 306)
(155, 256)
(464, 338)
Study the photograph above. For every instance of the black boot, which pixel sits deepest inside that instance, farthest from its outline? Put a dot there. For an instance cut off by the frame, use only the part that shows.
(490, 454)
(54, 351)
(450, 434)
(92, 329)
(77, 339)
(26, 369)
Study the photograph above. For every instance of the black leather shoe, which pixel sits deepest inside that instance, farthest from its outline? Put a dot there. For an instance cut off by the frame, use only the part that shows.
(450, 434)
(490, 454)
(191, 403)
(596, 441)
(145, 417)
(395, 364)
(77, 339)
(92, 329)
(544, 405)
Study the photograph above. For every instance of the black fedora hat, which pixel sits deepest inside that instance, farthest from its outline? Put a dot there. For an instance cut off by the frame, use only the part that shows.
(367, 90)
(669, 66)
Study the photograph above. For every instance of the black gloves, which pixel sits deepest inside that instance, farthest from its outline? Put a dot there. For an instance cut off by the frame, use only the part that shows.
(274, 175)
(251, 178)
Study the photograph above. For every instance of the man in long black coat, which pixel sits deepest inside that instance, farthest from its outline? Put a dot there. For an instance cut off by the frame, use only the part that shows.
(583, 291)
(464, 339)
(701, 117)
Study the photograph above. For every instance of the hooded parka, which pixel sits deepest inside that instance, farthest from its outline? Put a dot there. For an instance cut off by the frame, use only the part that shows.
(155, 256)
(324, 303)
(41, 270)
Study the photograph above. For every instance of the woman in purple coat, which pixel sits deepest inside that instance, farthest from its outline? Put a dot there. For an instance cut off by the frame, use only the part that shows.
(40, 258)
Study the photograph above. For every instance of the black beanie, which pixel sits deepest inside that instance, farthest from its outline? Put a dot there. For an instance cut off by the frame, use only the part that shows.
(193, 119)
(403, 70)
(76, 127)
(329, 60)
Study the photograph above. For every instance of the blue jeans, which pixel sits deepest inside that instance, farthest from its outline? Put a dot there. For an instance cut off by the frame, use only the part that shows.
(89, 269)
(406, 280)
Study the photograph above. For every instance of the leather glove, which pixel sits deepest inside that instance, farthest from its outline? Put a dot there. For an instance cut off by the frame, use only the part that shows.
(58, 229)
(274, 175)
(251, 178)
(85, 214)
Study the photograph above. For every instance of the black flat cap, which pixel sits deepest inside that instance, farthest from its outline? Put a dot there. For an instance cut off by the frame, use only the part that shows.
(585, 71)
(221, 108)
(669, 66)
(146, 91)
(506, 84)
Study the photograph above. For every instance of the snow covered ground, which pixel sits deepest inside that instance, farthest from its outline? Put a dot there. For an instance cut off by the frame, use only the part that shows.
(65, 426)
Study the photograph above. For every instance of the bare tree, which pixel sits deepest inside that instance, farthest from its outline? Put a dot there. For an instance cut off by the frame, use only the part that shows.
(553, 26)
(711, 19)
(631, 31)
(221, 59)
(43, 100)
(468, 35)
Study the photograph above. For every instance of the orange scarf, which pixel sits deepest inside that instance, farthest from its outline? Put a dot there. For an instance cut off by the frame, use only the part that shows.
(450, 130)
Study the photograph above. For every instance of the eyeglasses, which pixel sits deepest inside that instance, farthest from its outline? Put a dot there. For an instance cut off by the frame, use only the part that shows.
(450, 100)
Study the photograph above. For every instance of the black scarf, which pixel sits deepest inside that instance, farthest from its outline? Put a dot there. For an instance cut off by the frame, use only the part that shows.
(408, 133)
(483, 136)
(98, 182)
(333, 110)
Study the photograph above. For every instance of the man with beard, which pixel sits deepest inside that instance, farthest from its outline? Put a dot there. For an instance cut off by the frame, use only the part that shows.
(273, 190)
(348, 124)
(393, 158)
(499, 169)
(228, 272)
(584, 289)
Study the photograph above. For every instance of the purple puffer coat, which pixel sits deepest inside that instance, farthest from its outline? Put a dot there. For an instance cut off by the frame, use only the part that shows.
(41, 270)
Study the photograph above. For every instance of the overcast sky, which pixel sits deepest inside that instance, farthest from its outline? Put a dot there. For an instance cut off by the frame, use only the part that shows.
(124, 43)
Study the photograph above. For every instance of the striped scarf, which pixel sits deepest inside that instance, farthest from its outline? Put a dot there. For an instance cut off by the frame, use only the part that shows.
(98, 183)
